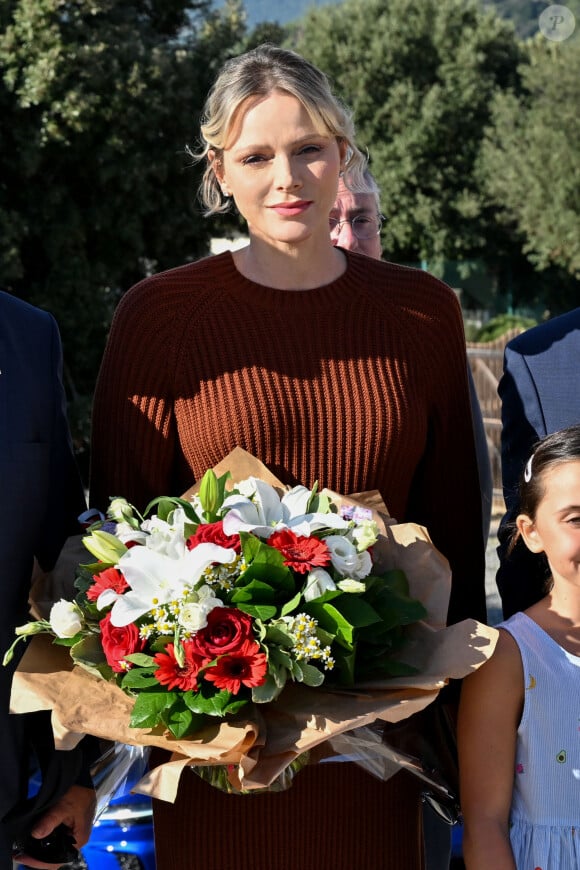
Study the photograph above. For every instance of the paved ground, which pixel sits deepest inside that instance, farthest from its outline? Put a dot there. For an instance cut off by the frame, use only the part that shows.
(491, 564)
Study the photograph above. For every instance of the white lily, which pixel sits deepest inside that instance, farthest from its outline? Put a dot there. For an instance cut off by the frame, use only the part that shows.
(156, 579)
(346, 559)
(126, 532)
(166, 538)
(262, 511)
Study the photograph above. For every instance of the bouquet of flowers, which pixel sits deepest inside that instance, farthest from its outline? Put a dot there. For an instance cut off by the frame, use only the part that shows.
(243, 624)
(198, 607)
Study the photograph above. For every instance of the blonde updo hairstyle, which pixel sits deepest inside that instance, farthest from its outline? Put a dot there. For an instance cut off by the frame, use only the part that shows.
(256, 74)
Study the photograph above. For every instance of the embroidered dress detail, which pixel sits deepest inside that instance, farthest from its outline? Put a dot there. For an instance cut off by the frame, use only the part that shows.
(545, 812)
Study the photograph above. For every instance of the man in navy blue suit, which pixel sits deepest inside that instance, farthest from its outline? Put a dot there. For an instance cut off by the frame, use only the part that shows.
(41, 497)
(540, 394)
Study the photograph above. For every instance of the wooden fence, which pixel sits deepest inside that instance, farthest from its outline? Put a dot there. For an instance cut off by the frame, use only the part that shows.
(486, 361)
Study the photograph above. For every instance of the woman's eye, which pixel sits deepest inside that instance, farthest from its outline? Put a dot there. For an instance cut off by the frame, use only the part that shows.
(574, 520)
(310, 149)
(252, 159)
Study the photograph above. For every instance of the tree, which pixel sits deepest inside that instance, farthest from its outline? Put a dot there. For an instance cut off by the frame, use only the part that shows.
(99, 100)
(531, 163)
(420, 76)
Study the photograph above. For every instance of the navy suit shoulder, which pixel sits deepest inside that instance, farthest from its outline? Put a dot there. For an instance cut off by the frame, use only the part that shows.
(539, 395)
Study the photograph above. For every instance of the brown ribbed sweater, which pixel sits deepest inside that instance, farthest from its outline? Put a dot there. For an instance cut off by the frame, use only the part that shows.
(360, 384)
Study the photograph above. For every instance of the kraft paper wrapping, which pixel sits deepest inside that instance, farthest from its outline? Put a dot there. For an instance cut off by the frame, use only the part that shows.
(267, 738)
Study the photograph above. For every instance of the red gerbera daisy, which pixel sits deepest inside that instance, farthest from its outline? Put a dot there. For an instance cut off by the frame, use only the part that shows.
(110, 578)
(300, 553)
(175, 676)
(247, 667)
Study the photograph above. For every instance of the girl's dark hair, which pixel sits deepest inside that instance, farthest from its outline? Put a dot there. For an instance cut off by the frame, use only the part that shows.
(560, 446)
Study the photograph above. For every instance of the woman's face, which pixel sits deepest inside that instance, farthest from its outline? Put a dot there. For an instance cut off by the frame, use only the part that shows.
(281, 171)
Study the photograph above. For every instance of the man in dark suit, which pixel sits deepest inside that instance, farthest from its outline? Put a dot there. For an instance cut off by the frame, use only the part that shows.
(539, 394)
(40, 498)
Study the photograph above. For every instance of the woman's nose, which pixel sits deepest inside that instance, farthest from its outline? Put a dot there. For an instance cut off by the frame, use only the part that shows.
(287, 177)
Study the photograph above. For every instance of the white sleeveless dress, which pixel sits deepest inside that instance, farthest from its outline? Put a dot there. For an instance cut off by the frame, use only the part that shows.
(545, 811)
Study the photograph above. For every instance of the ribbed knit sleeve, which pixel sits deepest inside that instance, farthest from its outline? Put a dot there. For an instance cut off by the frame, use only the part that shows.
(359, 385)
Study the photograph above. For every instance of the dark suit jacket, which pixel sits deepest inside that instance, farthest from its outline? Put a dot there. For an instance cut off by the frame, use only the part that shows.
(40, 498)
(540, 394)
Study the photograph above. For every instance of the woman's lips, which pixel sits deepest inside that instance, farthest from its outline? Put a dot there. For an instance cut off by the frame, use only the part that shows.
(291, 208)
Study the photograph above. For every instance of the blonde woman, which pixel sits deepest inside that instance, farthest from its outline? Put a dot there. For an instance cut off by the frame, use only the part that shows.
(327, 366)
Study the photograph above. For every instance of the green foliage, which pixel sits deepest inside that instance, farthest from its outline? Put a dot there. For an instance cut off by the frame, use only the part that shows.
(498, 326)
(420, 78)
(98, 101)
(530, 160)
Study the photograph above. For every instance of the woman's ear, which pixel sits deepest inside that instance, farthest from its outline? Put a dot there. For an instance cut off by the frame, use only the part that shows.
(528, 531)
(217, 167)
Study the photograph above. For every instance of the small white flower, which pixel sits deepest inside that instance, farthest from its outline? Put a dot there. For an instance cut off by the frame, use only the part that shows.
(350, 585)
(317, 583)
(345, 558)
(194, 612)
(65, 618)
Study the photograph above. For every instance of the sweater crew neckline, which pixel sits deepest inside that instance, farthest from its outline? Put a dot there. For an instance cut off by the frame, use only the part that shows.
(238, 286)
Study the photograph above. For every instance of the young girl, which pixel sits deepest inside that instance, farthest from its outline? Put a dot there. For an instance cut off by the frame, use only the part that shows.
(519, 721)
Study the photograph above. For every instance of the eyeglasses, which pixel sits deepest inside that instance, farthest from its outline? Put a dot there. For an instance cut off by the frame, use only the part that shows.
(363, 226)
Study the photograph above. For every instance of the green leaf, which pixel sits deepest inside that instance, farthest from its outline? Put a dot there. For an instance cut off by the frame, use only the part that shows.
(356, 611)
(344, 669)
(259, 611)
(165, 504)
(279, 657)
(331, 620)
(210, 701)
(291, 605)
(255, 592)
(311, 676)
(141, 660)
(86, 650)
(276, 634)
(179, 719)
(267, 692)
(138, 678)
(148, 708)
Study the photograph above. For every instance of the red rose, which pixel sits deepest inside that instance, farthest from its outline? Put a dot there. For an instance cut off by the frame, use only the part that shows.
(246, 667)
(118, 642)
(226, 630)
(175, 676)
(300, 552)
(213, 533)
(110, 578)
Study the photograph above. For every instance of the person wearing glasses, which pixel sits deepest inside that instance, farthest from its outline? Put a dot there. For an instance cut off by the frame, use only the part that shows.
(355, 219)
